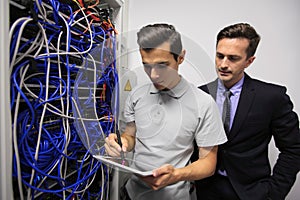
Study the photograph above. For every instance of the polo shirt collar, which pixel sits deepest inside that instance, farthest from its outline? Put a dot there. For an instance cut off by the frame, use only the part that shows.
(175, 92)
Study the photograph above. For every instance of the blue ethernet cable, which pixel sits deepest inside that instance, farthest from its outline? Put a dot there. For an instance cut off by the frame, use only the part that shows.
(54, 142)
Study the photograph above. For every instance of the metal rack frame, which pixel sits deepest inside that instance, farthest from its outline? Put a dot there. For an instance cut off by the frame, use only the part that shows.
(6, 191)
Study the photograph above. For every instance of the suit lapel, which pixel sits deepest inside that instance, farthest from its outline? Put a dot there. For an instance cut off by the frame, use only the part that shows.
(245, 102)
(212, 89)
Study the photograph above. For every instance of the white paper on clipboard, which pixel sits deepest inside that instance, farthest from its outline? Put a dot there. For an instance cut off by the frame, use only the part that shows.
(116, 162)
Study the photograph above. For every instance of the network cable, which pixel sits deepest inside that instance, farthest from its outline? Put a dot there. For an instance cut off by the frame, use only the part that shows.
(50, 158)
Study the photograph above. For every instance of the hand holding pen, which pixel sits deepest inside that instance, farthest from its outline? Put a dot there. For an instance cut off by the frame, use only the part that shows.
(120, 143)
(114, 147)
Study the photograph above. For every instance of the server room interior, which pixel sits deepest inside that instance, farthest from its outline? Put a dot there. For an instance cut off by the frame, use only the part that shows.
(50, 158)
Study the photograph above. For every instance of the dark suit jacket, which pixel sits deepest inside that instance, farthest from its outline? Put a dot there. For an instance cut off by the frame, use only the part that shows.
(264, 110)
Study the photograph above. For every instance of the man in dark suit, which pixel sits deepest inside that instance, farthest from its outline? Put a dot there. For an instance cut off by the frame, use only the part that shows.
(258, 111)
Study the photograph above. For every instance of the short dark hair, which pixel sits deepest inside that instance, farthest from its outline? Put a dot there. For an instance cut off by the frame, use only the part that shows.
(241, 30)
(151, 36)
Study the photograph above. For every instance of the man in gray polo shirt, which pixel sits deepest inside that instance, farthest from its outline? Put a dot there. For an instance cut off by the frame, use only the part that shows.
(163, 119)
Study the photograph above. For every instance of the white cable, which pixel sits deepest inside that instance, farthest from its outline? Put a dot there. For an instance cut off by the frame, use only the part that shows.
(42, 10)
(82, 122)
(22, 75)
(65, 121)
(33, 45)
(44, 109)
(18, 39)
(47, 105)
(57, 111)
(15, 137)
(94, 95)
(89, 182)
(72, 53)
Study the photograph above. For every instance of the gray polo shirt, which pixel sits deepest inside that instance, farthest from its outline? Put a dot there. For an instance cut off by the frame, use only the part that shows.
(167, 123)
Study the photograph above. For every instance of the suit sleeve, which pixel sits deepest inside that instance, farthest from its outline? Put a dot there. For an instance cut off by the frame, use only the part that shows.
(285, 129)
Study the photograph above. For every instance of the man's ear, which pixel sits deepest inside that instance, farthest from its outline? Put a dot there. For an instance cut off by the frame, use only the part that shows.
(250, 60)
(181, 56)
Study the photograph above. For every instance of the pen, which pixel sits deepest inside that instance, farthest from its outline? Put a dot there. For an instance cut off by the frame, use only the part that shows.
(120, 143)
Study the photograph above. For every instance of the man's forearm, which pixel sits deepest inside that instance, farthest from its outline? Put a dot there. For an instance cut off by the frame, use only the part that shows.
(203, 167)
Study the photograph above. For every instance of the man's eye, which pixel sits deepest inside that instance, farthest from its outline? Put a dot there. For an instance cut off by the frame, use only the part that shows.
(233, 58)
(220, 56)
(161, 66)
(157, 66)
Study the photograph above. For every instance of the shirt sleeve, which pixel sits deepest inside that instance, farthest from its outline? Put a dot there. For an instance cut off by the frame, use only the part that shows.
(129, 113)
(210, 130)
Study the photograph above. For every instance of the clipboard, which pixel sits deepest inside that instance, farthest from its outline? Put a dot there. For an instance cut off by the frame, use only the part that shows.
(116, 162)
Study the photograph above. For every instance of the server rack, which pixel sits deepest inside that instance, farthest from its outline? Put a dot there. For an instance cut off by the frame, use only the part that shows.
(7, 191)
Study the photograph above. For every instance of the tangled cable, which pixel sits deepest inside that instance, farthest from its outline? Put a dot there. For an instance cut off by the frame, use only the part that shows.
(63, 82)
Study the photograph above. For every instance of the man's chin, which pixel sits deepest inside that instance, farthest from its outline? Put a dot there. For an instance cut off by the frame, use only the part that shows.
(159, 87)
(224, 77)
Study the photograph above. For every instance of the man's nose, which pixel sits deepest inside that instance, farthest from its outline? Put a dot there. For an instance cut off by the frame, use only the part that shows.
(224, 63)
(154, 74)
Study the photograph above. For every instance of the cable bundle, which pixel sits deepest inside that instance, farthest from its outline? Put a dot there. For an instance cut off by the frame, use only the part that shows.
(64, 91)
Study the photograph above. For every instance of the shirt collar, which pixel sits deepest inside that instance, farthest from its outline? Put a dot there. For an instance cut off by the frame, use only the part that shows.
(235, 89)
(175, 92)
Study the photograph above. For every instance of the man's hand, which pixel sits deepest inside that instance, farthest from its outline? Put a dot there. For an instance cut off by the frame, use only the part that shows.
(202, 168)
(112, 147)
(163, 176)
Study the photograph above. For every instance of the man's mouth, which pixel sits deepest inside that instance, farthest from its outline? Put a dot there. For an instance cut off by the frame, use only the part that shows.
(223, 72)
(157, 82)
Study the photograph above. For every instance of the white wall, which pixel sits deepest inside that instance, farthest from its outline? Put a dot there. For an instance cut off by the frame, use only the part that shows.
(199, 21)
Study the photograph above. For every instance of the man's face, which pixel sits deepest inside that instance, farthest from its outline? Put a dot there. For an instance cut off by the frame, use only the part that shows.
(161, 66)
(231, 60)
